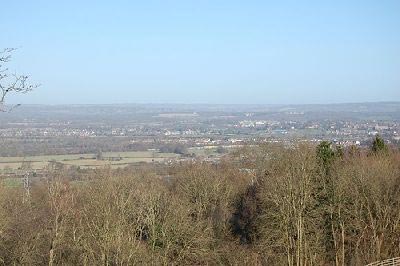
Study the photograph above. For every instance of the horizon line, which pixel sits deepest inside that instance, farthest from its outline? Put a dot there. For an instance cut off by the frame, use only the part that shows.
(221, 104)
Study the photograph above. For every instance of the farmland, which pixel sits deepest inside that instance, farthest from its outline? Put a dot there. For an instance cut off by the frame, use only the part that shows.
(114, 159)
(88, 160)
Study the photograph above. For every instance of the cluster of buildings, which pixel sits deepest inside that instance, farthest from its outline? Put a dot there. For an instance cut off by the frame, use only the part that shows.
(206, 129)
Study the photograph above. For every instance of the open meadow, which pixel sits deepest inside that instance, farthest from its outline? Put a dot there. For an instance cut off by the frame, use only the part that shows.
(114, 159)
(87, 160)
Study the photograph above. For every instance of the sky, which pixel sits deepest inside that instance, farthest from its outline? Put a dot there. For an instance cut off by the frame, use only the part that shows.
(219, 51)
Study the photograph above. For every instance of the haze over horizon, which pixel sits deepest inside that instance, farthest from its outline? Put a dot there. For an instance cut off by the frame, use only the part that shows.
(224, 52)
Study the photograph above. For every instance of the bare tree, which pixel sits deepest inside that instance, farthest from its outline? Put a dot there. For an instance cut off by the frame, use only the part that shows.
(10, 82)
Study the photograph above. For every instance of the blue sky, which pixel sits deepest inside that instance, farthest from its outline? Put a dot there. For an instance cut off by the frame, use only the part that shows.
(220, 51)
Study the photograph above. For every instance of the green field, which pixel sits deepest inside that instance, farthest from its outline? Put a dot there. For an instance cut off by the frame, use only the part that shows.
(12, 182)
(114, 159)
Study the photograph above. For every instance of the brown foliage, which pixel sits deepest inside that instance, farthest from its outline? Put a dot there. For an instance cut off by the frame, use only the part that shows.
(262, 206)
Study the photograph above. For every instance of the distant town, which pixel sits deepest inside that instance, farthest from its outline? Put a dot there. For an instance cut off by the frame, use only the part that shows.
(38, 130)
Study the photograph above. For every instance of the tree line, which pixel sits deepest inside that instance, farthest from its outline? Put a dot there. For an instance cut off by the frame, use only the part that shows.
(265, 205)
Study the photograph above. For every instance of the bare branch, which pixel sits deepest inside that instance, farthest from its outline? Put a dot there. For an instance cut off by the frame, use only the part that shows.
(11, 83)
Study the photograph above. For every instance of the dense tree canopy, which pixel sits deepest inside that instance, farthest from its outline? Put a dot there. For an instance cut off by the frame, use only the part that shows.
(265, 205)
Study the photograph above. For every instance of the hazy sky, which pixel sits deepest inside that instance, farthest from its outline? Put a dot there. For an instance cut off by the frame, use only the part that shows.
(219, 51)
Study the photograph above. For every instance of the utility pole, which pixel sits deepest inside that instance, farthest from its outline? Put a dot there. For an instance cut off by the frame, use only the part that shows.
(27, 187)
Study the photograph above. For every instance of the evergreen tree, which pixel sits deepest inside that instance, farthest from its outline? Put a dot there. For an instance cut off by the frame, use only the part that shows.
(325, 155)
(378, 145)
